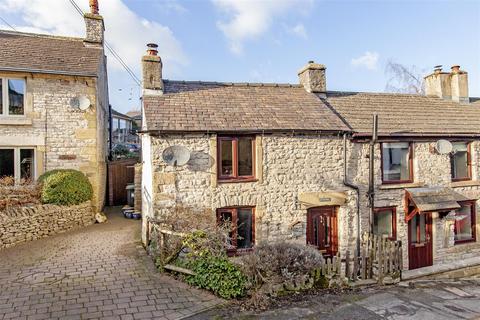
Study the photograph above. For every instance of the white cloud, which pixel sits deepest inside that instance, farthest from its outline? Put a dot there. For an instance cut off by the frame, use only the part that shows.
(299, 30)
(125, 31)
(248, 19)
(368, 60)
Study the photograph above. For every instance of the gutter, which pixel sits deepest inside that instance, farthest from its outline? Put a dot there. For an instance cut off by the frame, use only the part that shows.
(65, 73)
(247, 131)
(354, 187)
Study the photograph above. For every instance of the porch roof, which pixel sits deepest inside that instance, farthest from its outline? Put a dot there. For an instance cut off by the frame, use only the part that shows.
(435, 199)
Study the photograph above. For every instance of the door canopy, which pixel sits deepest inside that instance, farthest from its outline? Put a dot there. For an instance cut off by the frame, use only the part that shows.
(421, 200)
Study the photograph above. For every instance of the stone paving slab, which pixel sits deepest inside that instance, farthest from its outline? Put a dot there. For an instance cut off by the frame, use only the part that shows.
(98, 272)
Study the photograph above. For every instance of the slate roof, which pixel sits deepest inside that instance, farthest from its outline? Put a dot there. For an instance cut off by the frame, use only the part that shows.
(47, 54)
(406, 114)
(217, 107)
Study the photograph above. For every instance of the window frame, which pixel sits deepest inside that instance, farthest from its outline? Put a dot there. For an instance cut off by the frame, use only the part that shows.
(5, 99)
(410, 163)
(473, 217)
(234, 212)
(17, 164)
(377, 210)
(469, 163)
(235, 177)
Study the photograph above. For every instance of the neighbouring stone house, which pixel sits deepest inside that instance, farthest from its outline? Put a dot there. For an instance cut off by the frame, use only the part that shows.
(291, 162)
(54, 104)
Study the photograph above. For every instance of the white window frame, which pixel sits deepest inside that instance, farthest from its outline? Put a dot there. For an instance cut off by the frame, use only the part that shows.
(16, 161)
(4, 97)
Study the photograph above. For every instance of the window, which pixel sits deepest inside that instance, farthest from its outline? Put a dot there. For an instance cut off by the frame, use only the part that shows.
(460, 162)
(465, 223)
(12, 94)
(236, 158)
(397, 162)
(242, 222)
(384, 222)
(18, 163)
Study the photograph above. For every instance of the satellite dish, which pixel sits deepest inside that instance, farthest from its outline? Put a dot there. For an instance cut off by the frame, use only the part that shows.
(176, 155)
(443, 146)
(81, 103)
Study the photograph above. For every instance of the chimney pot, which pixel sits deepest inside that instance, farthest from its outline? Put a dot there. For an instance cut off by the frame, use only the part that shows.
(437, 69)
(455, 69)
(152, 49)
(311, 61)
(94, 6)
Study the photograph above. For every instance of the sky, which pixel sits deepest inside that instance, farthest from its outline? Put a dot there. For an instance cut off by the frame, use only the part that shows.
(269, 40)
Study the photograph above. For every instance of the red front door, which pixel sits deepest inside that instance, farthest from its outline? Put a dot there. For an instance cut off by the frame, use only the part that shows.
(420, 241)
(322, 229)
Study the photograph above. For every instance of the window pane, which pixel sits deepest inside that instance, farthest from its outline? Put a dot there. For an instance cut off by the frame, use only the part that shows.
(1, 96)
(413, 229)
(396, 164)
(245, 157)
(7, 162)
(226, 158)
(383, 223)
(460, 160)
(27, 164)
(244, 228)
(16, 89)
(226, 221)
(463, 227)
(423, 231)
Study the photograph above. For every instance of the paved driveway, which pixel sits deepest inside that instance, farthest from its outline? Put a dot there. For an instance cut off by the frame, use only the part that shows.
(96, 272)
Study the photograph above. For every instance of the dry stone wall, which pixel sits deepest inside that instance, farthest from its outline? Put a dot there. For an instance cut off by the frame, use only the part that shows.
(29, 223)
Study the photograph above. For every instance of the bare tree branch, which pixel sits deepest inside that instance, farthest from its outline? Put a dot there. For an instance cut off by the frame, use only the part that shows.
(404, 79)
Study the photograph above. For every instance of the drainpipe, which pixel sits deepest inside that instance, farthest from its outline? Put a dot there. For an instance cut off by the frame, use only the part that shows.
(371, 173)
(354, 187)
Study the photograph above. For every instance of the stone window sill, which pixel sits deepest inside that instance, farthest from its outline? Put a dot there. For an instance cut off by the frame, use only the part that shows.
(15, 121)
(468, 183)
(401, 186)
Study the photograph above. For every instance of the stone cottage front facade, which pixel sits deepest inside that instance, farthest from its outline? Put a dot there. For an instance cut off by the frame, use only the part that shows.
(54, 104)
(290, 162)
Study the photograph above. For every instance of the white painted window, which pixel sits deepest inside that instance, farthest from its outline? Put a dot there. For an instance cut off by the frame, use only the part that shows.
(18, 163)
(12, 94)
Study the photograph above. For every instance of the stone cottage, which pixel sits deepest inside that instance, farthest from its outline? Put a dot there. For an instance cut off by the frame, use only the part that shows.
(54, 104)
(427, 167)
(290, 162)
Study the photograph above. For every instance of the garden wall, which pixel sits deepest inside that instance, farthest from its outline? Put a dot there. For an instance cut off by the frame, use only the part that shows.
(29, 223)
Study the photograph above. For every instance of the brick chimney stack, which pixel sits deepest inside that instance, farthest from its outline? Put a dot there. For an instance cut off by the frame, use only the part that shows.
(94, 25)
(448, 85)
(152, 71)
(313, 78)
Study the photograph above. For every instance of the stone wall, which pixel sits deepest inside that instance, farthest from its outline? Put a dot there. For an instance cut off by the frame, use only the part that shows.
(430, 170)
(287, 166)
(29, 223)
(62, 136)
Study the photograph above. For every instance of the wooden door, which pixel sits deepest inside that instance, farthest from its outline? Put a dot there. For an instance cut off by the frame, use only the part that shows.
(322, 229)
(420, 241)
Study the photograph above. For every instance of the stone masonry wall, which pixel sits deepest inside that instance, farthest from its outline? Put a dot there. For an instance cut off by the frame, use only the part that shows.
(29, 223)
(63, 137)
(430, 170)
(286, 167)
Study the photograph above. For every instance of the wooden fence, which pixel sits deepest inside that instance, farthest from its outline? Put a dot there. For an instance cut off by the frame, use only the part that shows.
(120, 174)
(379, 258)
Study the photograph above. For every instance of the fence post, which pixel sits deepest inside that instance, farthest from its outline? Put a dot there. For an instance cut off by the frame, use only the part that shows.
(347, 264)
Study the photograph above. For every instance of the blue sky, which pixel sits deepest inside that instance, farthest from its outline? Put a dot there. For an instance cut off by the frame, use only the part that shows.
(269, 41)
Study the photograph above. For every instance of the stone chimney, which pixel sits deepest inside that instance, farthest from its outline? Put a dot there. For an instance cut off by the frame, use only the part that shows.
(94, 25)
(152, 71)
(448, 85)
(313, 78)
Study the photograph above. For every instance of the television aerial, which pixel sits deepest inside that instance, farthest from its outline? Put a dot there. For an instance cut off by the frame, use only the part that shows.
(443, 146)
(81, 103)
(176, 155)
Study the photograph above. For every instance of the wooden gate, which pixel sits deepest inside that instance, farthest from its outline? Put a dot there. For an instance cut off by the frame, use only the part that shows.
(120, 174)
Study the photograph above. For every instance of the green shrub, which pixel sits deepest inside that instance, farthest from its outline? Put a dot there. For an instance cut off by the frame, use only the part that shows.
(219, 275)
(65, 187)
